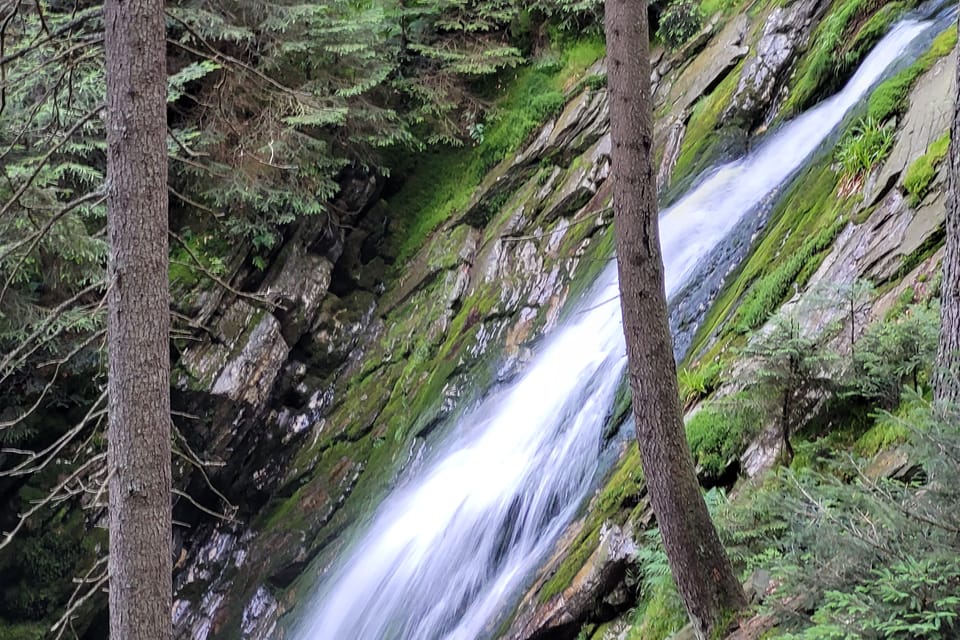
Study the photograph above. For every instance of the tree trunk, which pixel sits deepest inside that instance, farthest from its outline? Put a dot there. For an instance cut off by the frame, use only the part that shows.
(699, 564)
(138, 322)
(947, 376)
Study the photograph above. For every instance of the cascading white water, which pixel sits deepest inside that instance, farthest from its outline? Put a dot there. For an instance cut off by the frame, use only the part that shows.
(447, 553)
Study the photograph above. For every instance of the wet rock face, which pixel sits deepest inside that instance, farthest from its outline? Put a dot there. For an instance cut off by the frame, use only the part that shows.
(703, 72)
(593, 595)
(784, 36)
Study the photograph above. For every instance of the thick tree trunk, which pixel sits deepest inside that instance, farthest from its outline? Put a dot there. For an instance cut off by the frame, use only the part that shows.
(947, 376)
(138, 322)
(699, 564)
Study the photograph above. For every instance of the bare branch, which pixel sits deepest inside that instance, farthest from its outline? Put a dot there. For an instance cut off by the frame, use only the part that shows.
(79, 597)
(35, 238)
(212, 276)
(23, 468)
(209, 512)
(53, 379)
(79, 20)
(51, 497)
(33, 342)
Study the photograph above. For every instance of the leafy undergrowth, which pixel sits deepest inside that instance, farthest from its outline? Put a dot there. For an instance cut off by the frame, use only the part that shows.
(869, 556)
(446, 177)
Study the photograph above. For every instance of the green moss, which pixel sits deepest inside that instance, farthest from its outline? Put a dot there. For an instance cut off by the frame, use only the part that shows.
(766, 294)
(596, 257)
(885, 434)
(616, 501)
(701, 135)
(921, 172)
(571, 565)
(802, 222)
(870, 33)
(624, 485)
(711, 7)
(906, 298)
(719, 433)
(659, 616)
(828, 59)
(446, 177)
(892, 96)
(921, 254)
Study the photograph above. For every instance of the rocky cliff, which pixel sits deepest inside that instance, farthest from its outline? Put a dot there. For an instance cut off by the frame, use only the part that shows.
(309, 387)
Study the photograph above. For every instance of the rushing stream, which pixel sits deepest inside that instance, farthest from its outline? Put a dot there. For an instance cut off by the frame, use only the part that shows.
(446, 554)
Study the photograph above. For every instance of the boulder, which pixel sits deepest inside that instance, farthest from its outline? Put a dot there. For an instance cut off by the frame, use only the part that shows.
(785, 34)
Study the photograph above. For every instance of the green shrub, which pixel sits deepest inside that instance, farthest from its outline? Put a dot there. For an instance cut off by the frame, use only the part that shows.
(699, 382)
(866, 144)
(894, 351)
(921, 172)
(873, 559)
(679, 22)
(913, 598)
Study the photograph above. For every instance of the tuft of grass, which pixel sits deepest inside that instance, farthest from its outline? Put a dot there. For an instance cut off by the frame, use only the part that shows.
(866, 144)
(445, 177)
(921, 172)
(697, 383)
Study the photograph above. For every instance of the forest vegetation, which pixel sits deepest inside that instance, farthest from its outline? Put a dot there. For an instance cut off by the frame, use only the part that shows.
(388, 139)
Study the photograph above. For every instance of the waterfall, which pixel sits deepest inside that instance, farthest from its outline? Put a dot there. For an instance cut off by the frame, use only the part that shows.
(445, 555)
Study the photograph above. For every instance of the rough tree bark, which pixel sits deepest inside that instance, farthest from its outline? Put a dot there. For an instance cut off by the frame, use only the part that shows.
(138, 322)
(947, 379)
(697, 559)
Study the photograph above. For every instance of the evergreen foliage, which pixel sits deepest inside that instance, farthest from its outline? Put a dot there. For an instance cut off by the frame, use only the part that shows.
(269, 105)
(792, 374)
(893, 352)
(679, 22)
(873, 558)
